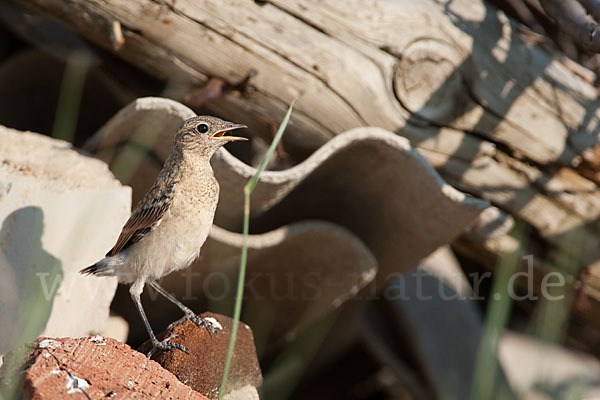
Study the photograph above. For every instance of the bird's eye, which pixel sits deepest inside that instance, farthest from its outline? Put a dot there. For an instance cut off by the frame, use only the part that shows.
(202, 128)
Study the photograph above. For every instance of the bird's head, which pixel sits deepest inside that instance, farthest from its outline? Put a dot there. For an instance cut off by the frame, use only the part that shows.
(206, 134)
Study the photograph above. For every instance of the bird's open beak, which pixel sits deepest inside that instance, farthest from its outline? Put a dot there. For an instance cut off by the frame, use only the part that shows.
(220, 135)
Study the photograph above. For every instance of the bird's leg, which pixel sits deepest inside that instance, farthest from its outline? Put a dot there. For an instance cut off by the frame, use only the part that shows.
(189, 314)
(135, 290)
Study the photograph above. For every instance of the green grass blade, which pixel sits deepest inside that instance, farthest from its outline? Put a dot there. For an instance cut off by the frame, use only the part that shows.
(261, 167)
(498, 311)
(69, 98)
(552, 313)
(244, 257)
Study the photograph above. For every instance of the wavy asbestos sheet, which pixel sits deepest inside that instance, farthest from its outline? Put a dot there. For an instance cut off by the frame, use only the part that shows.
(366, 181)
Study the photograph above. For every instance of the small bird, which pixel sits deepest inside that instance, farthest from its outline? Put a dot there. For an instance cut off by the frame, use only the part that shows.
(169, 226)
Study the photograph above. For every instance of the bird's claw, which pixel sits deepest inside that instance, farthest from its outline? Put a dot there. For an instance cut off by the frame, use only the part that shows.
(180, 320)
(205, 323)
(201, 322)
(166, 345)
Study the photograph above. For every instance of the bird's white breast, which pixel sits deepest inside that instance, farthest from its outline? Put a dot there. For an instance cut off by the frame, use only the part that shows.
(176, 242)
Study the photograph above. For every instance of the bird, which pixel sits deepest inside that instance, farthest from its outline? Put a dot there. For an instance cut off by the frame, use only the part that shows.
(168, 227)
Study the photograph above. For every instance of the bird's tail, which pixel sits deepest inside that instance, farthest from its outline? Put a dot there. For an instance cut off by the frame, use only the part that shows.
(91, 270)
(101, 268)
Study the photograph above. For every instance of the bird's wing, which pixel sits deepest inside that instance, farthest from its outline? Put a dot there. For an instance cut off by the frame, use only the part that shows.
(144, 219)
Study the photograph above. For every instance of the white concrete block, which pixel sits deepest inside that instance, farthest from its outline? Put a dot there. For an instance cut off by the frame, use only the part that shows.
(60, 212)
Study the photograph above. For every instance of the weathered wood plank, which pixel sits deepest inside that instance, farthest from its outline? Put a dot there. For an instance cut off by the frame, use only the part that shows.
(463, 76)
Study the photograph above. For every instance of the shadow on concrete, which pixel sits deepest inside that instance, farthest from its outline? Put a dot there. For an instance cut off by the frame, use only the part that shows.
(30, 278)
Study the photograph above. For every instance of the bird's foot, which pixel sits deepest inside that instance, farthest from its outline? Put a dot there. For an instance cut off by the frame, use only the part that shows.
(166, 345)
(211, 324)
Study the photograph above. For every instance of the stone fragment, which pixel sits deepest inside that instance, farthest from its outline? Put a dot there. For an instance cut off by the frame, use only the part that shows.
(536, 369)
(202, 366)
(59, 211)
(96, 368)
(246, 393)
